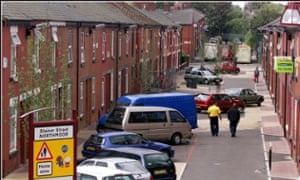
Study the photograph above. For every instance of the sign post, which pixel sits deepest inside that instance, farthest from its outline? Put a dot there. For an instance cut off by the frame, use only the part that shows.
(52, 147)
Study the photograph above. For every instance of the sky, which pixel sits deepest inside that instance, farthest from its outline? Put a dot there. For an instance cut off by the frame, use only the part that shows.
(242, 3)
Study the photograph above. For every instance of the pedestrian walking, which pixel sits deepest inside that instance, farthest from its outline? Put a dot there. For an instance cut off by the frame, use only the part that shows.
(214, 113)
(233, 115)
(256, 74)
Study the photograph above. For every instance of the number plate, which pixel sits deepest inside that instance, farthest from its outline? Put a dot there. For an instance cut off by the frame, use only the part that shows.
(90, 148)
(162, 171)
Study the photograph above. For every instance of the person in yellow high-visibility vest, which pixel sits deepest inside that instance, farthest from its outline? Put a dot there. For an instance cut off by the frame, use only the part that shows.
(214, 113)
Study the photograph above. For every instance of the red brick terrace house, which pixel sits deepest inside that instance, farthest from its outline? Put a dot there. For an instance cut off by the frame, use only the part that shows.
(283, 39)
(102, 46)
(191, 21)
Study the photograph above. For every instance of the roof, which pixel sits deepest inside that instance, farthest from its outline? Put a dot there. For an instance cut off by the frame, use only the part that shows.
(160, 17)
(111, 133)
(135, 14)
(65, 11)
(147, 108)
(159, 95)
(99, 171)
(112, 159)
(185, 16)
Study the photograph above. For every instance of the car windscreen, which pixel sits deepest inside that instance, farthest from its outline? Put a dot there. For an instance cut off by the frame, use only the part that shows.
(131, 166)
(157, 159)
(116, 116)
(232, 92)
(94, 139)
(203, 97)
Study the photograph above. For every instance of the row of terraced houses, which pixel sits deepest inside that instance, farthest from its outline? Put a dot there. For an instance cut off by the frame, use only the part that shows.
(283, 39)
(107, 48)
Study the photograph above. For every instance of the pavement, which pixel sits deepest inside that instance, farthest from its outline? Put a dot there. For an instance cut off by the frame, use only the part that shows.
(277, 157)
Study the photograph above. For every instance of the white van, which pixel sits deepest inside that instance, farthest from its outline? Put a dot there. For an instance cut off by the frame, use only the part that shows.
(153, 122)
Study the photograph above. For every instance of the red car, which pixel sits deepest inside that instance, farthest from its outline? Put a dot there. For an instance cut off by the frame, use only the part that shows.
(228, 67)
(224, 101)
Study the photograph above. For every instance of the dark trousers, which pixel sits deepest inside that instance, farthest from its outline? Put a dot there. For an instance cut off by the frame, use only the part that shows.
(232, 126)
(214, 125)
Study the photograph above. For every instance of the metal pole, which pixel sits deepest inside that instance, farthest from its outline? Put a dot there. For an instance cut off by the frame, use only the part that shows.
(270, 156)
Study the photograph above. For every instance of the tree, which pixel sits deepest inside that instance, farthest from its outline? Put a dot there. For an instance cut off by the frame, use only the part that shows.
(217, 16)
(43, 78)
(264, 13)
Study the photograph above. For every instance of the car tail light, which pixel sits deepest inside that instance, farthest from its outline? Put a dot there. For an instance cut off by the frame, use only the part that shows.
(151, 178)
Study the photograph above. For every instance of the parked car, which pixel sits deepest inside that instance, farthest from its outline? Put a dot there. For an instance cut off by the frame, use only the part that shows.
(157, 123)
(99, 141)
(227, 67)
(159, 164)
(224, 101)
(203, 77)
(101, 173)
(133, 166)
(246, 94)
(191, 68)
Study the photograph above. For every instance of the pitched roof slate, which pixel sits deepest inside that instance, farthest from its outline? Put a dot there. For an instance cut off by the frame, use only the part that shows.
(185, 16)
(88, 11)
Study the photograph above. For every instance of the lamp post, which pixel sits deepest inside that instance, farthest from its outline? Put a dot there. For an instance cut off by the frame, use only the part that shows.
(290, 20)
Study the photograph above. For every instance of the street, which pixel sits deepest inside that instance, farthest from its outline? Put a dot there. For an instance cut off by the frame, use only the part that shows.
(223, 157)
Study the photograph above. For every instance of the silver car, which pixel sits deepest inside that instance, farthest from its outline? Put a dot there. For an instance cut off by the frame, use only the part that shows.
(138, 171)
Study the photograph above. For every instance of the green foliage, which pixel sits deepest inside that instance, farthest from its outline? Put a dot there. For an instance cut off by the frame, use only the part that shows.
(224, 19)
(217, 15)
(44, 85)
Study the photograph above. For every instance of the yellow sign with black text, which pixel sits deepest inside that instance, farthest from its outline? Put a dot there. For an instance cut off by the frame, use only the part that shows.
(283, 64)
(53, 152)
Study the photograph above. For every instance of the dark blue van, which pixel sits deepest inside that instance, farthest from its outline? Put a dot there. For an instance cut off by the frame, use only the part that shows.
(183, 102)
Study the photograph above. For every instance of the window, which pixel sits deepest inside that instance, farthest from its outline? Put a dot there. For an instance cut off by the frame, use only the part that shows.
(119, 83)
(36, 56)
(127, 43)
(133, 43)
(15, 40)
(126, 81)
(82, 57)
(13, 125)
(111, 86)
(95, 44)
(93, 92)
(103, 45)
(103, 91)
(54, 34)
(145, 117)
(54, 46)
(81, 100)
(176, 117)
(148, 40)
(70, 39)
(112, 44)
(120, 45)
(142, 40)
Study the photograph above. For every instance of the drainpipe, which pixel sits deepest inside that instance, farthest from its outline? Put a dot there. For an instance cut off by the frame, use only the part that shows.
(78, 25)
(117, 62)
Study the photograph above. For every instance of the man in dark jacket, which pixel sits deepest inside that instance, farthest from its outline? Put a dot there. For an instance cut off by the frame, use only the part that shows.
(233, 115)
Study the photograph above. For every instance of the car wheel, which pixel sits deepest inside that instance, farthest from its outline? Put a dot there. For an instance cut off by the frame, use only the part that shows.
(258, 103)
(176, 139)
